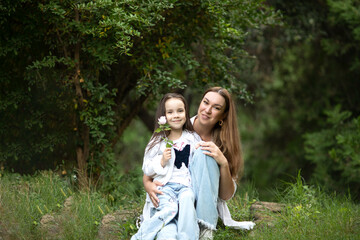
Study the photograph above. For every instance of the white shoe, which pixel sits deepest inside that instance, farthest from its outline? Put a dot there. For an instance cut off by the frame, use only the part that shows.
(206, 234)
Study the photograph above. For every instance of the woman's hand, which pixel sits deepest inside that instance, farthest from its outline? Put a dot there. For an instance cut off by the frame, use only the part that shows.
(151, 188)
(213, 151)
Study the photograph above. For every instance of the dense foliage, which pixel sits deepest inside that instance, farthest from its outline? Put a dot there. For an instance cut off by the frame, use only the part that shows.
(307, 68)
(335, 152)
(74, 74)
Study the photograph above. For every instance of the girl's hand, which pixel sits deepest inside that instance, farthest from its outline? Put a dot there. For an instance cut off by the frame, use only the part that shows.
(166, 156)
(213, 151)
(152, 189)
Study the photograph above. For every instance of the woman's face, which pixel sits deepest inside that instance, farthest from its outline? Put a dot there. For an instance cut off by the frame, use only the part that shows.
(211, 109)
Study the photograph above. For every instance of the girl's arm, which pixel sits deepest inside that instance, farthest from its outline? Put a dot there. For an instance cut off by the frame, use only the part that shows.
(154, 162)
(226, 185)
(151, 187)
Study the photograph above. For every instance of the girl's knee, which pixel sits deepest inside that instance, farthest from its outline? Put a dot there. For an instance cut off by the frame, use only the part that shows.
(168, 203)
(167, 211)
(188, 195)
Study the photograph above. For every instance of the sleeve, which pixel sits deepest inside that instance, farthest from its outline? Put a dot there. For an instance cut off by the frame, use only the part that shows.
(224, 214)
(152, 162)
(235, 187)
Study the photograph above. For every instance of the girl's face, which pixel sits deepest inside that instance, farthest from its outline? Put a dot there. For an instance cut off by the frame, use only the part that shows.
(211, 109)
(175, 113)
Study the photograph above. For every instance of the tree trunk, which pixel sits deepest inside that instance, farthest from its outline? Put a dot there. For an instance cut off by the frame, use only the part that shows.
(147, 119)
(82, 169)
(133, 110)
(82, 152)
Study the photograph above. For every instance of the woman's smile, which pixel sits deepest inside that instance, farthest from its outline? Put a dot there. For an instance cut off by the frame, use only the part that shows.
(211, 108)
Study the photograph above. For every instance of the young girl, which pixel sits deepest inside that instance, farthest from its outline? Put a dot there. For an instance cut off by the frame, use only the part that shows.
(175, 216)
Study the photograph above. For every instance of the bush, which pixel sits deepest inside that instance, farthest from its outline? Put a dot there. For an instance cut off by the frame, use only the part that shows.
(335, 151)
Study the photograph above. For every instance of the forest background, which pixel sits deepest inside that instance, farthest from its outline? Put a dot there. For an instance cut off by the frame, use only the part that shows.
(80, 80)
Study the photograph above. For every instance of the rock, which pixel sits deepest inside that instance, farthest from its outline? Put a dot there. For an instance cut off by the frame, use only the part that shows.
(49, 226)
(68, 203)
(270, 206)
(108, 219)
(109, 229)
(264, 212)
(47, 219)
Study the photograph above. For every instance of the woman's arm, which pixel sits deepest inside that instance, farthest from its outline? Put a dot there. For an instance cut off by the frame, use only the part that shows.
(226, 185)
(151, 188)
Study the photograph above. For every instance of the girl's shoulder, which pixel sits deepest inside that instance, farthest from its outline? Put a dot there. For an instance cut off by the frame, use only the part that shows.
(154, 145)
(191, 136)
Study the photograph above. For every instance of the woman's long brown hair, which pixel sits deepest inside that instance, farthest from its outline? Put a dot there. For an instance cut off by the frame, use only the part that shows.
(226, 136)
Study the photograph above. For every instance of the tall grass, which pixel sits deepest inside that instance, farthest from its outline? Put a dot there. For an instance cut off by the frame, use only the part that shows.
(310, 213)
(24, 200)
(83, 218)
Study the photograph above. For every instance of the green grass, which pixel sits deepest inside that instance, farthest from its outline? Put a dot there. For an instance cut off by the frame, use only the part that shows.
(309, 214)
(24, 200)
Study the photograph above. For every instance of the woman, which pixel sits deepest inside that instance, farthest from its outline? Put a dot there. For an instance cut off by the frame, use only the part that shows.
(217, 162)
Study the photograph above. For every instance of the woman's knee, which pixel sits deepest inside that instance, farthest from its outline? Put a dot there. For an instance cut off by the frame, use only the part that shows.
(201, 158)
(203, 161)
(199, 154)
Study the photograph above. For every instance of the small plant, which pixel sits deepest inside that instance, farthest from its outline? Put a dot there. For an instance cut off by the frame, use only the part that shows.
(127, 229)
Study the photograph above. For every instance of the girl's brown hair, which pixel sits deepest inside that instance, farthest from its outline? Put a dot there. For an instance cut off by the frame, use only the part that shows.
(161, 111)
(226, 135)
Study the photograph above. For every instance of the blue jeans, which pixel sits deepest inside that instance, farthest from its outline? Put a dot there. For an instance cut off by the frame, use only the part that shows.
(175, 218)
(205, 178)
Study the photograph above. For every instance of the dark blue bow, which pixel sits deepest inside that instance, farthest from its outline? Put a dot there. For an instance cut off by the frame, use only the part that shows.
(182, 157)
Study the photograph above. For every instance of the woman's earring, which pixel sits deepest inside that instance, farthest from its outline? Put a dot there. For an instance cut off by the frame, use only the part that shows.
(221, 122)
